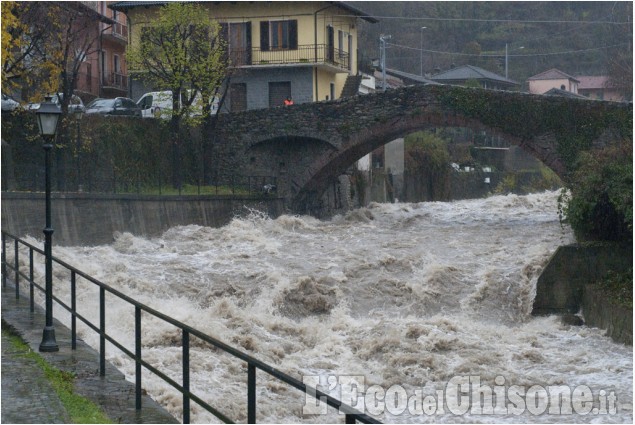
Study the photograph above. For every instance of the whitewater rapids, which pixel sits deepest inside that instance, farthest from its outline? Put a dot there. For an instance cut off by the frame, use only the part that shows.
(405, 294)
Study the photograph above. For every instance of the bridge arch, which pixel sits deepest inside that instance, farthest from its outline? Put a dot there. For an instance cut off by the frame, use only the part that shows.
(326, 137)
(329, 167)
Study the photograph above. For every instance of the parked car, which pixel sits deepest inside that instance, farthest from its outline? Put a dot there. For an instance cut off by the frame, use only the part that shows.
(117, 106)
(9, 104)
(158, 104)
(75, 105)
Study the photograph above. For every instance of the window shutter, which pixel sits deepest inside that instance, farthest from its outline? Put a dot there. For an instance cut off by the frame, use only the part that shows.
(224, 31)
(293, 34)
(248, 46)
(264, 36)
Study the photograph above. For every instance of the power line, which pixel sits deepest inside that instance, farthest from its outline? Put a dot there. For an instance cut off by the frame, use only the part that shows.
(492, 20)
(502, 55)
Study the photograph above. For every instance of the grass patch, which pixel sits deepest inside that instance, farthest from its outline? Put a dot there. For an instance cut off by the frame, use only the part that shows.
(619, 287)
(187, 189)
(80, 409)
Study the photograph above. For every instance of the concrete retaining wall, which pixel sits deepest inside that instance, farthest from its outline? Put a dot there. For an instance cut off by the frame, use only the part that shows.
(566, 285)
(91, 219)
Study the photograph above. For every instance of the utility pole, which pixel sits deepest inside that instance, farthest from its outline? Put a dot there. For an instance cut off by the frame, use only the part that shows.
(421, 70)
(382, 50)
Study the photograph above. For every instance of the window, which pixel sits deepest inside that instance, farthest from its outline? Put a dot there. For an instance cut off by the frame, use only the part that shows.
(278, 92)
(104, 64)
(238, 97)
(115, 59)
(277, 35)
(238, 39)
(332, 91)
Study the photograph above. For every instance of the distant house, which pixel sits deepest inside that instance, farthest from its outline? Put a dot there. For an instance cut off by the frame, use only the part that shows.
(564, 93)
(409, 79)
(599, 87)
(552, 79)
(305, 50)
(465, 75)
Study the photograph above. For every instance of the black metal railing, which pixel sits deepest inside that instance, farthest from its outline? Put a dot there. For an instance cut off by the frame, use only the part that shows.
(116, 80)
(141, 185)
(304, 54)
(351, 415)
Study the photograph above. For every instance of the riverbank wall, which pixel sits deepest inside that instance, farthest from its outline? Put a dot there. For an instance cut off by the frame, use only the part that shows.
(93, 219)
(567, 285)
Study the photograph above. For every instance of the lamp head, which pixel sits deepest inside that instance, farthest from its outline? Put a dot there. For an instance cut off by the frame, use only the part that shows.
(47, 117)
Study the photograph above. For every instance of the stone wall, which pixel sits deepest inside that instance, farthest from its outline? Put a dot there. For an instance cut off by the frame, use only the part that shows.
(92, 219)
(566, 286)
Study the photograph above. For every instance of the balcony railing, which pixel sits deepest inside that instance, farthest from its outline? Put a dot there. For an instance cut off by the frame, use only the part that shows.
(116, 80)
(118, 31)
(305, 54)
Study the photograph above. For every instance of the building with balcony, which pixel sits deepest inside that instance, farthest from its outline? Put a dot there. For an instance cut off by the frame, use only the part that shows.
(102, 72)
(114, 39)
(302, 50)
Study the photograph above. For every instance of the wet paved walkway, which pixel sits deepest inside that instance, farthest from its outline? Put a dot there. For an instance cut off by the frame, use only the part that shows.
(27, 396)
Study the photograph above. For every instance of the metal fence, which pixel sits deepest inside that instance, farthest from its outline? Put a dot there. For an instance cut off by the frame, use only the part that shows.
(183, 386)
(233, 185)
(309, 53)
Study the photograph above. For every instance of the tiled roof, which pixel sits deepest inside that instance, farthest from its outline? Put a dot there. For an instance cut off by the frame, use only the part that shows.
(593, 82)
(408, 76)
(470, 72)
(565, 93)
(552, 74)
(124, 6)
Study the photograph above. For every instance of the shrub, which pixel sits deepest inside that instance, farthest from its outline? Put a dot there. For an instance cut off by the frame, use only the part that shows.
(599, 205)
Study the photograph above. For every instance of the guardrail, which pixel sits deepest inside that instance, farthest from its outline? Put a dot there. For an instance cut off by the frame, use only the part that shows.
(144, 185)
(351, 415)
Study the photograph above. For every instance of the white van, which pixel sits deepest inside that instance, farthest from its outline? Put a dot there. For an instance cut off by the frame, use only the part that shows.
(158, 104)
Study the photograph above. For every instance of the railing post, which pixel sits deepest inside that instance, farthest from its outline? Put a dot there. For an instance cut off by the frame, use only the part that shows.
(4, 260)
(31, 286)
(102, 331)
(186, 377)
(137, 348)
(17, 270)
(251, 393)
(73, 311)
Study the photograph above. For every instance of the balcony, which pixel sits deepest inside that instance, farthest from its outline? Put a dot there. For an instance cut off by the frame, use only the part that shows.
(115, 80)
(117, 32)
(321, 55)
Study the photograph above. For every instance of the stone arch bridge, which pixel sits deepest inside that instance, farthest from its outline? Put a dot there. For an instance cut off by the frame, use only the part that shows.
(308, 146)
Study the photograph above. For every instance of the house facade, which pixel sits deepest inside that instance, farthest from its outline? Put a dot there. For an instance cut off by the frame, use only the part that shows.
(112, 61)
(552, 79)
(599, 88)
(302, 50)
(102, 72)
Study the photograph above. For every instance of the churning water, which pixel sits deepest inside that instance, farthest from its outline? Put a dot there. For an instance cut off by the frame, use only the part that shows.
(401, 294)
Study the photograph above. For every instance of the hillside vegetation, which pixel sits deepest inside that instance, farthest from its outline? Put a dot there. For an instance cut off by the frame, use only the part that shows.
(575, 37)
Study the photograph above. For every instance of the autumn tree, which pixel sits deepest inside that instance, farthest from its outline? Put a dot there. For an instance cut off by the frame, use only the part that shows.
(27, 60)
(182, 51)
(44, 45)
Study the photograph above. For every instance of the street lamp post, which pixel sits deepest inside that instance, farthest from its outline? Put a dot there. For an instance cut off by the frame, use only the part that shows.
(382, 45)
(421, 70)
(47, 118)
(78, 116)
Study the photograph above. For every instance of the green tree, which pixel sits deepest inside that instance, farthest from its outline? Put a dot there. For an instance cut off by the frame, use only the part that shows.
(427, 156)
(184, 52)
(599, 205)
